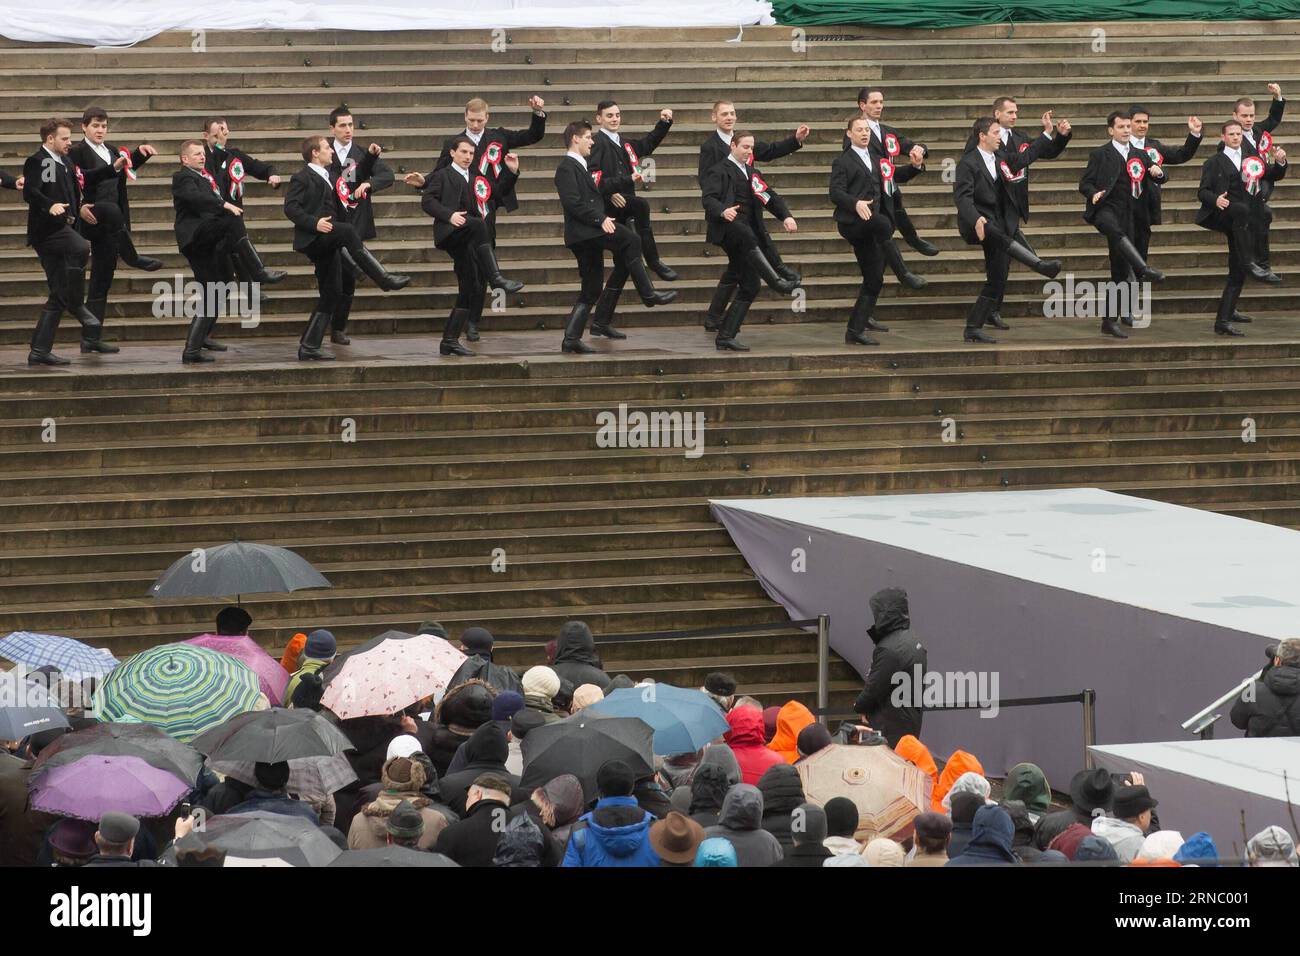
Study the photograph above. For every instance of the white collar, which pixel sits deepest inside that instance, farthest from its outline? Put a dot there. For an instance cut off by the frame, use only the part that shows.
(101, 150)
(475, 136)
(578, 156)
(865, 153)
(1234, 155)
(342, 148)
(1121, 148)
(725, 137)
(464, 172)
(1006, 135)
(57, 157)
(1138, 142)
(322, 172)
(613, 136)
(739, 165)
(874, 124)
(989, 160)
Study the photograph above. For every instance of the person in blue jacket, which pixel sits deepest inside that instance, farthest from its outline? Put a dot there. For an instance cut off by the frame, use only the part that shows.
(617, 831)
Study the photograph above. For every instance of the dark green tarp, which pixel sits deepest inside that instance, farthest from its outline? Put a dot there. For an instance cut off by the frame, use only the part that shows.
(935, 14)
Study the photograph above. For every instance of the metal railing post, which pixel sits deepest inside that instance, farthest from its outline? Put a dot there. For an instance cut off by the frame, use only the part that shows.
(823, 666)
(1089, 725)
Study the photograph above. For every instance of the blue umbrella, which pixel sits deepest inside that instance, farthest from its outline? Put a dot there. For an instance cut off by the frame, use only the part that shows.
(76, 661)
(683, 719)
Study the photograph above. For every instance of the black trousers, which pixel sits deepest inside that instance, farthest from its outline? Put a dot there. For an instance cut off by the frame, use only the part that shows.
(1261, 218)
(470, 283)
(637, 213)
(1230, 222)
(209, 258)
(324, 252)
(738, 238)
(1116, 221)
(65, 248)
(1142, 228)
(103, 249)
(865, 236)
(997, 266)
(590, 253)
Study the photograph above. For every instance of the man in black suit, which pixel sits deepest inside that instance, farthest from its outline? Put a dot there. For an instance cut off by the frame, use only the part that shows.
(1112, 187)
(735, 195)
(317, 204)
(988, 214)
(715, 149)
(864, 193)
(1257, 139)
(53, 188)
(1230, 179)
(588, 232)
(460, 230)
(207, 228)
(1007, 111)
(615, 163)
(109, 228)
(356, 165)
(890, 144)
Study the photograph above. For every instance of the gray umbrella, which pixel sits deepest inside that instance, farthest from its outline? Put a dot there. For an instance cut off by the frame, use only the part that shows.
(26, 708)
(391, 856)
(239, 568)
(260, 835)
(270, 736)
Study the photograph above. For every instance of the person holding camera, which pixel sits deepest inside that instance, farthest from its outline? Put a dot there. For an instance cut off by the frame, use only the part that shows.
(1268, 707)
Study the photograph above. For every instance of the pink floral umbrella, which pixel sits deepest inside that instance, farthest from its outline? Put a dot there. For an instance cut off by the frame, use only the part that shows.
(271, 677)
(389, 673)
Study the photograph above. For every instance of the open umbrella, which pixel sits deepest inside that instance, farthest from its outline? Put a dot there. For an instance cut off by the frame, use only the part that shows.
(262, 835)
(112, 740)
(270, 736)
(76, 661)
(887, 790)
(389, 673)
(270, 675)
(26, 708)
(684, 719)
(93, 785)
(580, 744)
(179, 688)
(315, 777)
(391, 856)
(239, 568)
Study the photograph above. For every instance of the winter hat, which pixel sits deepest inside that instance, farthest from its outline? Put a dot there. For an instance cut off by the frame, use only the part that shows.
(1096, 850)
(402, 746)
(1130, 801)
(965, 805)
(272, 776)
(931, 827)
(563, 699)
(615, 779)
(883, 851)
(74, 838)
(812, 739)
(681, 799)
(1092, 790)
(560, 801)
(808, 824)
(477, 640)
(621, 682)
(969, 782)
(841, 817)
(506, 705)
(586, 695)
(402, 774)
(1271, 846)
(676, 838)
(1068, 840)
(541, 681)
(290, 659)
(233, 621)
(1027, 783)
(1198, 850)
(1161, 845)
(716, 851)
(118, 828)
(434, 628)
(320, 646)
(405, 822)
(523, 721)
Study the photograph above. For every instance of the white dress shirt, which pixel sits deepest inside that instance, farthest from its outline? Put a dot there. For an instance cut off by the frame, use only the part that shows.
(989, 161)
(865, 155)
(579, 157)
(323, 173)
(1234, 155)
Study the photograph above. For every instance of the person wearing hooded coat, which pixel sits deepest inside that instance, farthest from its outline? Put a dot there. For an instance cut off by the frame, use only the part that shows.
(782, 790)
(576, 659)
(477, 644)
(790, 719)
(897, 651)
(741, 822)
(462, 710)
(402, 779)
(1270, 707)
(717, 773)
(1027, 783)
(745, 738)
(991, 837)
(485, 752)
(808, 845)
(1022, 843)
(616, 833)
(554, 807)
(964, 807)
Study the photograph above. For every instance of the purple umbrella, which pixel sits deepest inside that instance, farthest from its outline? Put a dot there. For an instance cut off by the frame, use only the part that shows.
(271, 677)
(94, 785)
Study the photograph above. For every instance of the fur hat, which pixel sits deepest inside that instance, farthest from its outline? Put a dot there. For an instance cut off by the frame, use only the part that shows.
(402, 774)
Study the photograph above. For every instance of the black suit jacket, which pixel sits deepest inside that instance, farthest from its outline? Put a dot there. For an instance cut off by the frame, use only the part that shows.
(444, 194)
(218, 163)
(503, 188)
(851, 182)
(7, 181)
(1018, 142)
(713, 151)
(1267, 125)
(194, 202)
(584, 206)
(1106, 171)
(365, 167)
(309, 200)
(615, 165)
(977, 194)
(110, 189)
(41, 190)
(1162, 155)
(725, 186)
(1220, 175)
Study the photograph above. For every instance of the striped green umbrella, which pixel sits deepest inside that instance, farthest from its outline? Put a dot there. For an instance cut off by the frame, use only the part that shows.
(182, 689)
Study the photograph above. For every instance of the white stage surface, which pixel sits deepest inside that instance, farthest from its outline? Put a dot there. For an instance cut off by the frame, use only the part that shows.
(1209, 784)
(1157, 607)
(126, 22)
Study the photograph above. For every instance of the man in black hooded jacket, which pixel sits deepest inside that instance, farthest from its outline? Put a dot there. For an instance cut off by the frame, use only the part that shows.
(576, 658)
(1270, 707)
(897, 652)
(477, 643)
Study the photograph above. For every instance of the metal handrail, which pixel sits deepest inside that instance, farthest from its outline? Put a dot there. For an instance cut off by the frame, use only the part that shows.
(1202, 722)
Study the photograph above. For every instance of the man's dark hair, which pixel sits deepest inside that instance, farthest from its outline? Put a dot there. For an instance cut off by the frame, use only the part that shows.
(310, 145)
(52, 126)
(574, 130)
(1116, 115)
(207, 123)
(1225, 126)
(982, 125)
(93, 113)
(454, 144)
(738, 135)
(604, 105)
(864, 94)
(337, 112)
(200, 856)
(1002, 101)
(1138, 108)
(1244, 101)
(272, 776)
(932, 831)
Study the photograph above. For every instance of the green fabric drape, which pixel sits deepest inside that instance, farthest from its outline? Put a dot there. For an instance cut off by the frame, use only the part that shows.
(936, 14)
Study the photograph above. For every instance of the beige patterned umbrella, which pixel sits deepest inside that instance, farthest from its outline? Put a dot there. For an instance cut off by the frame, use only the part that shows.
(888, 791)
(389, 673)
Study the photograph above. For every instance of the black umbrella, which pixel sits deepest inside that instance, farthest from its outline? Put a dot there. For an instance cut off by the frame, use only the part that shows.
(391, 856)
(270, 736)
(26, 707)
(581, 744)
(129, 740)
(265, 836)
(239, 568)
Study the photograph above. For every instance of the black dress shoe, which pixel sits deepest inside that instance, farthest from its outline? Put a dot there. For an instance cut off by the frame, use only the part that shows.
(1238, 317)
(658, 298)
(471, 332)
(194, 357)
(46, 358)
(146, 264)
(340, 338)
(98, 345)
(452, 348)
(212, 345)
(712, 323)
(995, 320)
(730, 345)
(975, 335)
(577, 347)
(857, 338)
(875, 326)
(1227, 330)
(663, 272)
(923, 247)
(1263, 274)
(1110, 328)
(608, 331)
(913, 281)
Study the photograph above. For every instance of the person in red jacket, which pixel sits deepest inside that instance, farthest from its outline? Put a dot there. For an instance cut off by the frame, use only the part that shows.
(746, 740)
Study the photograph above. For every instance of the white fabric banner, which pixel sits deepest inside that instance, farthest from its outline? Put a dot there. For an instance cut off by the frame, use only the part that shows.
(126, 22)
